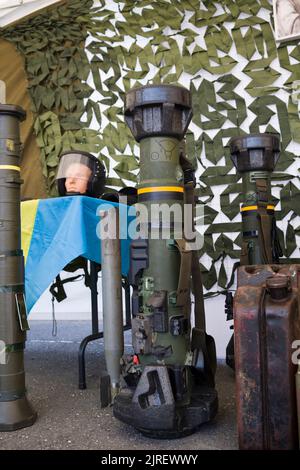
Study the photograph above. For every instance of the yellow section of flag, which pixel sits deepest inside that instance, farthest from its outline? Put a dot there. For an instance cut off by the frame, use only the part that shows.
(28, 214)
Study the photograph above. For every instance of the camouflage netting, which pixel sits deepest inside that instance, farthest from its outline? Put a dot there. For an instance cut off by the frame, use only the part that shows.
(241, 81)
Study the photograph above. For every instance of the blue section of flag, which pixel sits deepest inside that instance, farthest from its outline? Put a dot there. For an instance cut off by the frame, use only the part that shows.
(64, 229)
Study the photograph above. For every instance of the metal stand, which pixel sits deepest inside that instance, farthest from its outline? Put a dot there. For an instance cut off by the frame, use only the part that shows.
(96, 334)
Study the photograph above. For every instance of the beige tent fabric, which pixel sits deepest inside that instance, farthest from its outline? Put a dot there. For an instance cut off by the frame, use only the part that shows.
(13, 74)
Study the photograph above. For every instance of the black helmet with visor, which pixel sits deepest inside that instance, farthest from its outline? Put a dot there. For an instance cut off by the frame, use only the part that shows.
(80, 173)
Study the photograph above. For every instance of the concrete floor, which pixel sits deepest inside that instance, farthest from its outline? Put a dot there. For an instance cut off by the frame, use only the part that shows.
(69, 418)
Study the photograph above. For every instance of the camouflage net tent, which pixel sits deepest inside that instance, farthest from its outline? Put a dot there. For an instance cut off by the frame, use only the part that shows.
(77, 60)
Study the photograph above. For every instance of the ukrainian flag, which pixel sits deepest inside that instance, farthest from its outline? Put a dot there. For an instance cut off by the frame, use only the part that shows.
(56, 231)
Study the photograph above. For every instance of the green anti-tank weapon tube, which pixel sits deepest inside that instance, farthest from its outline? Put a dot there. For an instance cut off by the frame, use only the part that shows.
(15, 410)
(255, 157)
(171, 365)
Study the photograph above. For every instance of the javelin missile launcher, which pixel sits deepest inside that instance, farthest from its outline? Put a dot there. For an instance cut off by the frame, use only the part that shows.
(170, 378)
(255, 157)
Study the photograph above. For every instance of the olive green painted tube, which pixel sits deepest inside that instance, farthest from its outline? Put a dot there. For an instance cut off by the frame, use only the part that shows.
(15, 410)
(161, 176)
(255, 157)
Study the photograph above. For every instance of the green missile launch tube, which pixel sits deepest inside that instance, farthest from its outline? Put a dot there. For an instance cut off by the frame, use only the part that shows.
(255, 157)
(166, 400)
(15, 410)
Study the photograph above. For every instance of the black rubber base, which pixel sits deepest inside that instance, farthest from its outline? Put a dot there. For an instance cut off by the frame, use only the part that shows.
(16, 414)
(167, 421)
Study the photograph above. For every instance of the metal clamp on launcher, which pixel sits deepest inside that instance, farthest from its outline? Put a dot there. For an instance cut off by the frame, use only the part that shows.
(170, 378)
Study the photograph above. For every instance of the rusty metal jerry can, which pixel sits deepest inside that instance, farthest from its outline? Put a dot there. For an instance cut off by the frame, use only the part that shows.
(266, 323)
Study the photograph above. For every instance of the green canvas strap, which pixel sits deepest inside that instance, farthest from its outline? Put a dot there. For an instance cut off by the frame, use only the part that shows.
(198, 292)
(189, 198)
(244, 257)
(183, 289)
(200, 339)
(264, 228)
